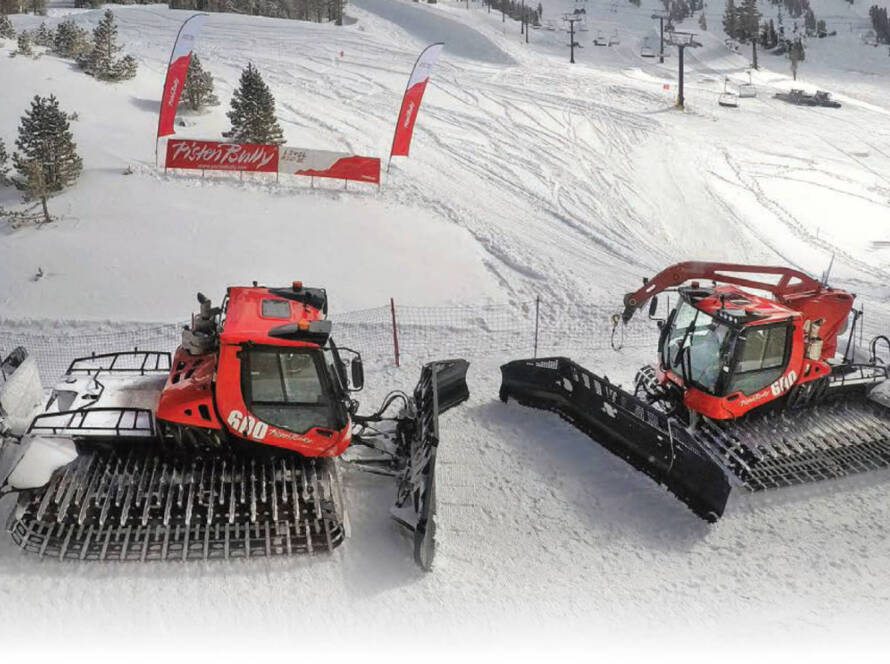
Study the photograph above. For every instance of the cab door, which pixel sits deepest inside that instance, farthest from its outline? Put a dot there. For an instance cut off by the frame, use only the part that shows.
(761, 358)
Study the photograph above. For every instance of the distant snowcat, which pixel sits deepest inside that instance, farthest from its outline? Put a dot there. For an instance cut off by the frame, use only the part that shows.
(801, 98)
(748, 390)
(226, 449)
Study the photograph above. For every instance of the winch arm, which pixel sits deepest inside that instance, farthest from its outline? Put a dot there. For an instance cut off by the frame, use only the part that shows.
(790, 282)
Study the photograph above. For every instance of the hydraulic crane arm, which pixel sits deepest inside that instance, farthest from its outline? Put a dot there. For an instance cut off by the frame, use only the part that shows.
(790, 281)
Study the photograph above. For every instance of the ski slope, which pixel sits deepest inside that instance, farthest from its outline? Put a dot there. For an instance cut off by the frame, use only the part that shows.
(528, 176)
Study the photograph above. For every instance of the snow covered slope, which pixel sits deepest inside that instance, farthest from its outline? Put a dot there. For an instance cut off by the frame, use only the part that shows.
(527, 176)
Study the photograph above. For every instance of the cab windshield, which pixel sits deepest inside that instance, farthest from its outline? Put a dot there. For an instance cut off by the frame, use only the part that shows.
(704, 339)
(285, 387)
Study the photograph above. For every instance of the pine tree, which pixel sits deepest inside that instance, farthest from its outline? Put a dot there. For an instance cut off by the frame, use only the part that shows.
(45, 138)
(748, 26)
(10, 7)
(4, 163)
(6, 29)
(809, 19)
(748, 21)
(880, 23)
(100, 60)
(253, 111)
(197, 90)
(124, 69)
(729, 19)
(24, 43)
(44, 36)
(71, 40)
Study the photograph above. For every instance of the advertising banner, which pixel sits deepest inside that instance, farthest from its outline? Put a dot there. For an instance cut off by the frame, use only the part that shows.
(325, 164)
(216, 156)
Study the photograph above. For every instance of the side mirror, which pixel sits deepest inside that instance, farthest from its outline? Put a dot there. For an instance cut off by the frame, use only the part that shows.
(358, 373)
(653, 306)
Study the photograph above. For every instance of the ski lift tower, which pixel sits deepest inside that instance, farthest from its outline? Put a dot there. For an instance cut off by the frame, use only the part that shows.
(682, 40)
(661, 16)
(571, 19)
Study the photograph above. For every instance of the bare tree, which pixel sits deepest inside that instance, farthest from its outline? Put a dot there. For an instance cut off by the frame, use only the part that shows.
(796, 53)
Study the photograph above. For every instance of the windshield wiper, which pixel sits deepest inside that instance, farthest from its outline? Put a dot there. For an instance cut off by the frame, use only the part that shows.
(686, 334)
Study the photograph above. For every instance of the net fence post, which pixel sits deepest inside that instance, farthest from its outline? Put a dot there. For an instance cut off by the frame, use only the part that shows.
(537, 318)
(395, 332)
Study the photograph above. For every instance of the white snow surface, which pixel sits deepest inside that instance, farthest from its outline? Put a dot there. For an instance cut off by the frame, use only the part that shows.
(528, 176)
(21, 396)
(44, 455)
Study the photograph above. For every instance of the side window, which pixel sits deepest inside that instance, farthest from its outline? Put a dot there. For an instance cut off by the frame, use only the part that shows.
(774, 349)
(750, 357)
(265, 380)
(760, 358)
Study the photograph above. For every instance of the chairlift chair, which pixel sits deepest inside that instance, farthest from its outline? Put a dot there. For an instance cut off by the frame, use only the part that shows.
(727, 98)
(747, 90)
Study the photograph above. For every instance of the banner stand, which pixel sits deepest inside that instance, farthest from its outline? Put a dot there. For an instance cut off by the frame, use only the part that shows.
(420, 76)
(177, 70)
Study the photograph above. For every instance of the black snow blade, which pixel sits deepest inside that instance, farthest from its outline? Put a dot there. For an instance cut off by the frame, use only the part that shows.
(442, 385)
(628, 427)
(451, 383)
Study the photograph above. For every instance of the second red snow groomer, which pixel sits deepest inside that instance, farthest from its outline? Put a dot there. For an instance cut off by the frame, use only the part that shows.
(749, 389)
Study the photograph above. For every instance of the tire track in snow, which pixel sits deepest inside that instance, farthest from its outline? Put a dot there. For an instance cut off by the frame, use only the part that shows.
(800, 230)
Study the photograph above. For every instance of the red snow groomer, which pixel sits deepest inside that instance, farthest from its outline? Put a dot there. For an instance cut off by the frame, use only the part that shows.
(748, 390)
(229, 448)
(268, 365)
